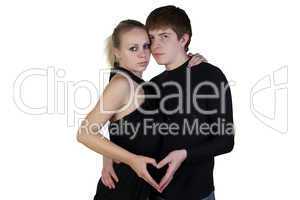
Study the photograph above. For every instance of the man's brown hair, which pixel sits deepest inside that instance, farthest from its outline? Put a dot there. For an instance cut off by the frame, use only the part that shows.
(170, 17)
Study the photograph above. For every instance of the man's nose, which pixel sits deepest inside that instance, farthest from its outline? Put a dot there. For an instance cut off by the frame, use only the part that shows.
(155, 44)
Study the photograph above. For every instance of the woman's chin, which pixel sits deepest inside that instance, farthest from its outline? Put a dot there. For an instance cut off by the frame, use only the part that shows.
(141, 68)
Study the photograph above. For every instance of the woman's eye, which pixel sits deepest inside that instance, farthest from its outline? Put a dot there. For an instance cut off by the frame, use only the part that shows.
(147, 46)
(133, 49)
(165, 36)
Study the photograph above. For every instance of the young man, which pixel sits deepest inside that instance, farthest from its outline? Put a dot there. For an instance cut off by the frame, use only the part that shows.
(195, 103)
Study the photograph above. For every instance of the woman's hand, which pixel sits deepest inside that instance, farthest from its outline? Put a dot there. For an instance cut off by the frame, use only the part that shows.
(196, 59)
(108, 173)
(139, 165)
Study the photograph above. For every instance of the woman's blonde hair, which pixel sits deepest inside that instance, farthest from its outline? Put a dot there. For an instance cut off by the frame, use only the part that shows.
(114, 40)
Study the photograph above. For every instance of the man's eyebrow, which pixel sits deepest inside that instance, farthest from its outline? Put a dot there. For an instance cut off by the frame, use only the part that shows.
(164, 33)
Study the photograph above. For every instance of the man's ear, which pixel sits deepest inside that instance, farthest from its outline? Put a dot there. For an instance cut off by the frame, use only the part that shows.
(184, 39)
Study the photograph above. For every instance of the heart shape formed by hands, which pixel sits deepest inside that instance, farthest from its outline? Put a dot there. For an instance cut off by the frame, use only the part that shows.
(166, 168)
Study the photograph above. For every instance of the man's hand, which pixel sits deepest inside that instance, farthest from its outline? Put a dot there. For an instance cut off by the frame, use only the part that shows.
(174, 159)
(139, 165)
(108, 173)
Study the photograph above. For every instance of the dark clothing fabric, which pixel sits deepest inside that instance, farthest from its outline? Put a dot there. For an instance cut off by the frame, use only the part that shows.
(194, 179)
(128, 132)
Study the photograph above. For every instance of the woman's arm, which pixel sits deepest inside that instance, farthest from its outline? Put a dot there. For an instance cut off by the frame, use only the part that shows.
(114, 97)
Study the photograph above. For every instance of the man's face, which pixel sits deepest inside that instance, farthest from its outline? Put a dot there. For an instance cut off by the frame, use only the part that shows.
(165, 46)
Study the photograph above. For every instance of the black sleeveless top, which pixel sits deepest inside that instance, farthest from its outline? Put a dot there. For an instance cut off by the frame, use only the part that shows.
(134, 132)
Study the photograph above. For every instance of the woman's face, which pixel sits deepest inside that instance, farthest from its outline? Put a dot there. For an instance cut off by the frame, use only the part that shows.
(134, 50)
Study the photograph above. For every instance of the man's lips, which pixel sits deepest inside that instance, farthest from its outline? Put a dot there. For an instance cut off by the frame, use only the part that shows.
(157, 54)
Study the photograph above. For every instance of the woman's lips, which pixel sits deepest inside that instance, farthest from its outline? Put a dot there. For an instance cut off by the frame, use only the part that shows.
(143, 63)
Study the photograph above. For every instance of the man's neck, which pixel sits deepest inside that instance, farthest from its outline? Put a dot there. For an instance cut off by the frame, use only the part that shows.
(181, 59)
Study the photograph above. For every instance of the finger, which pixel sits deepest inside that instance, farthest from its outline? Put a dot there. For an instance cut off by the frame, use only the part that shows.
(108, 181)
(163, 162)
(111, 183)
(115, 177)
(153, 184)
(195, 60)
(190, 54)
(105, 182)
(166, 177)
(151, 161)
(203, 59)
(163, 181)
(102, 180)
(197, 56)
(150, 180)
(168, 182)
(191, 62)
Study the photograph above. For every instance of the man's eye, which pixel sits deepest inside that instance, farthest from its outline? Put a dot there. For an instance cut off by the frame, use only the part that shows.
(165, 36)
(133, 49)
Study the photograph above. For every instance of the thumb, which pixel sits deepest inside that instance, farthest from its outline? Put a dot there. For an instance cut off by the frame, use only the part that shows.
(152, 161)
(163, 162)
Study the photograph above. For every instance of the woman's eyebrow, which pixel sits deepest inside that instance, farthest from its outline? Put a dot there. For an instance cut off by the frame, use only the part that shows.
(133, 44)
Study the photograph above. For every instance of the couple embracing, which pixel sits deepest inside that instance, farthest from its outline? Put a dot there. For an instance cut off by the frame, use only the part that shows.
(164, 133)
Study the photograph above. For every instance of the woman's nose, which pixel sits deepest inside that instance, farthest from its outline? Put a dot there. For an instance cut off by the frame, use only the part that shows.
(142, 54)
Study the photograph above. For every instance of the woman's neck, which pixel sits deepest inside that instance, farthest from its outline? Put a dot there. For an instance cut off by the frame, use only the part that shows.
(137, 73)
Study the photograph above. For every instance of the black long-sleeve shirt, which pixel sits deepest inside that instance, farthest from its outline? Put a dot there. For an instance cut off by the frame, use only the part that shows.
(185, 107)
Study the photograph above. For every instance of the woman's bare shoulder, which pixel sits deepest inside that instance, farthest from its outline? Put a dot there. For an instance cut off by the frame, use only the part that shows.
(119, 82)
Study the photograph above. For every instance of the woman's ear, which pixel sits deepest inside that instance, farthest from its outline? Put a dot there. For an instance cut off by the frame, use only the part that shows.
(184, 39)
(116, 53)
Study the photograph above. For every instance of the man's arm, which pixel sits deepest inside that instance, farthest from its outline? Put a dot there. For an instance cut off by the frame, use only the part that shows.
(221, 133)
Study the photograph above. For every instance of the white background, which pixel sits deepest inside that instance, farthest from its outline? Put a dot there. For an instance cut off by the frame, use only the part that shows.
(248, 40)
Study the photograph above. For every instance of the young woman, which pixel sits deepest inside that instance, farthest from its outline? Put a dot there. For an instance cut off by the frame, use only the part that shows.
(123, 102)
